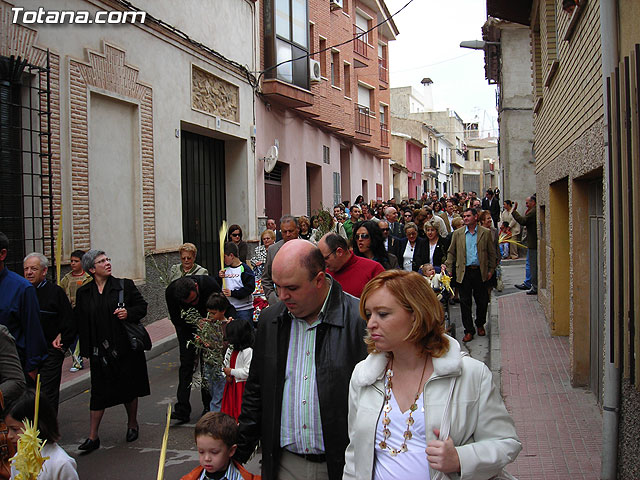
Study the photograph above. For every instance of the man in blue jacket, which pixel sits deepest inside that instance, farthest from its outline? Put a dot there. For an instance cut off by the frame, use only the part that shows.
(20, 313)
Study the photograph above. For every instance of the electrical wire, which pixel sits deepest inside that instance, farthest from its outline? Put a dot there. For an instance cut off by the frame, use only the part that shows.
(248, 74)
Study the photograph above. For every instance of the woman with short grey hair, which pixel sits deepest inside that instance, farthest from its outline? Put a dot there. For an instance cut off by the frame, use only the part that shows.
(118, 373)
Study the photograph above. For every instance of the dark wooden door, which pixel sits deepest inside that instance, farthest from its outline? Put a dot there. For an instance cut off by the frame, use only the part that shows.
(273, 193)
(273, 200)
(203, 196)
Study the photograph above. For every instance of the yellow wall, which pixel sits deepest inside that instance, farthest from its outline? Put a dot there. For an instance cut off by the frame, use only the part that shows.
(581, 268)
(559, 231)
(629, 25)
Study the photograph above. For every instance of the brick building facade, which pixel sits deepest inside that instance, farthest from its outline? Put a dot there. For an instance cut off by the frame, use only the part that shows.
(328, 115)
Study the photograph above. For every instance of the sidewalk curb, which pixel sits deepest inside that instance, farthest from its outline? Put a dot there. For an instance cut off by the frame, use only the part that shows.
(495, 359)
(81, 383)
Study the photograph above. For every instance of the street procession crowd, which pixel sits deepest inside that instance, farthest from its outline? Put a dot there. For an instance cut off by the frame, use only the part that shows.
(324, 348)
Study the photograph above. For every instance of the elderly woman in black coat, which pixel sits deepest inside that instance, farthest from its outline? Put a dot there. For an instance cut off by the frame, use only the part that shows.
(118, 374)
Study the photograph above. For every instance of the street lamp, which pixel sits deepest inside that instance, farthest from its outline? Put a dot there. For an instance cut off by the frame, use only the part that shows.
(477, 44)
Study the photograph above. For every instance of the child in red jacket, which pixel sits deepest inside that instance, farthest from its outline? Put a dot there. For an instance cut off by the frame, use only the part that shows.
(216, 437)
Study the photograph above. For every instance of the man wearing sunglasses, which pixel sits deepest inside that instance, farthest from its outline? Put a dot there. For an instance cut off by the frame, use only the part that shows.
(391, 242)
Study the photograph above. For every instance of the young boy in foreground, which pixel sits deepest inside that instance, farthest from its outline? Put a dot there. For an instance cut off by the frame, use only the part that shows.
(216, 437)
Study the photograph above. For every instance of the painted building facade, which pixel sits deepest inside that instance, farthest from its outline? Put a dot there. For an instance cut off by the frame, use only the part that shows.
(509, 65)
(135, 110)
(327, 115)
(587, 165)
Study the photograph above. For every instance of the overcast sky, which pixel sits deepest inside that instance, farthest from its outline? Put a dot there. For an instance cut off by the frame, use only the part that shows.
(429, 46)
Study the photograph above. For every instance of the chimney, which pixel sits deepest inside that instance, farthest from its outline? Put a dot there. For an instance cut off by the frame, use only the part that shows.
(427, 93)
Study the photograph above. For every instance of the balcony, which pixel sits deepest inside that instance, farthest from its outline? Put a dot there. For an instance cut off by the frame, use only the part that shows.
(383, 70)
(384, 135)
(360, 41)
(363, 119)
(430, 161)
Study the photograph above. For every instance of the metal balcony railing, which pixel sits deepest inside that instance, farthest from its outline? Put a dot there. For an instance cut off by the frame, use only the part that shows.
(360, 41)
(363, 119)
(384, 135)
(383, 70)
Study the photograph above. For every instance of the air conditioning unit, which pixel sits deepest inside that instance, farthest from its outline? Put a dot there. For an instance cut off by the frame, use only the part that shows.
(314, 71)
(335, 4)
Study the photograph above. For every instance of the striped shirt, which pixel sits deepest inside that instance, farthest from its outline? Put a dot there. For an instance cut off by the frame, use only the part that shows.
(232, 473)
(300, 425)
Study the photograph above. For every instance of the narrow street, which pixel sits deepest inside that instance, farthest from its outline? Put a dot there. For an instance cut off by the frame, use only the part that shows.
(118, 459)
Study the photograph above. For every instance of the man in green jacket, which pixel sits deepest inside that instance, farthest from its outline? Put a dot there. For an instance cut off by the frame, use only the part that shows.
(530, 221)
(473, 255)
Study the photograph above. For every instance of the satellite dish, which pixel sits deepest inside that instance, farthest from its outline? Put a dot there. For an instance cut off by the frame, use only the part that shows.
(271, 159)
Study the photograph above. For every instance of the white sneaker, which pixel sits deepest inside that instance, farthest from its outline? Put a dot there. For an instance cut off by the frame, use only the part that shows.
(74, 369)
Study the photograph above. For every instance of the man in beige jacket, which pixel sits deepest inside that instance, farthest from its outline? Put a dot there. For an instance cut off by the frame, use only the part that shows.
(473, 255)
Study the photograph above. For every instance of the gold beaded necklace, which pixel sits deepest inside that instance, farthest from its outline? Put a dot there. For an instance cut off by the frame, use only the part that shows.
(387, 408)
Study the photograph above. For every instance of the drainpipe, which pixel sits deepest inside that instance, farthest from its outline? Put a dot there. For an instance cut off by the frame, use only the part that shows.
(611, 395)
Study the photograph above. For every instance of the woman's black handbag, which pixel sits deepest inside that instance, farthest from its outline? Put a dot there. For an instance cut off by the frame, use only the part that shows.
(139, 339)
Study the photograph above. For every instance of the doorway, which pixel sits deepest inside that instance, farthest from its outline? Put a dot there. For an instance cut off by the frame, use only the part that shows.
(273, 193)
(203, 196)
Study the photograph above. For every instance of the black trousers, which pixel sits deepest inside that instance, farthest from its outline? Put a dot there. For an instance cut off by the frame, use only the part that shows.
(473, 286)
(188, 355)
(51, 374)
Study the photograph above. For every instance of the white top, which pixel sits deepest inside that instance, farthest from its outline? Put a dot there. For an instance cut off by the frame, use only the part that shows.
(407, 263)
(243, 362)
(432, 248)
(59, 466)
(233, 279)
(436, 281)
(411, 464)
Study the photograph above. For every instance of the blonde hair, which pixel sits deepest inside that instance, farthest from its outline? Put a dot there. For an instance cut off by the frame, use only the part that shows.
(304, 218)
(430, 224)
(188, 247)
(268, 233)
(414, 293)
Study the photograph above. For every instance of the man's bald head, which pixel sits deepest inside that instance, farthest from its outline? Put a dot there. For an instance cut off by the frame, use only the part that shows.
(299, 254)
(298, 273)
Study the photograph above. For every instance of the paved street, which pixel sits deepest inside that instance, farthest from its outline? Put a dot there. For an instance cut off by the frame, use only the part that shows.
(117, 459)
(559, 426)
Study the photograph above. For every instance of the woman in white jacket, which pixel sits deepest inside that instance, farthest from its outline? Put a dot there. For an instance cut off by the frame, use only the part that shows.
(398, 395)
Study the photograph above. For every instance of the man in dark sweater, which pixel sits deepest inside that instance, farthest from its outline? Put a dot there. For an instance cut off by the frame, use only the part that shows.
(492, 204)
(56, 320)
(181, 294)
(530, 221)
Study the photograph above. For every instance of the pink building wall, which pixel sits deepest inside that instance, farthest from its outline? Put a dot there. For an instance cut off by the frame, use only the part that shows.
(414, 165)
(301, 144)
